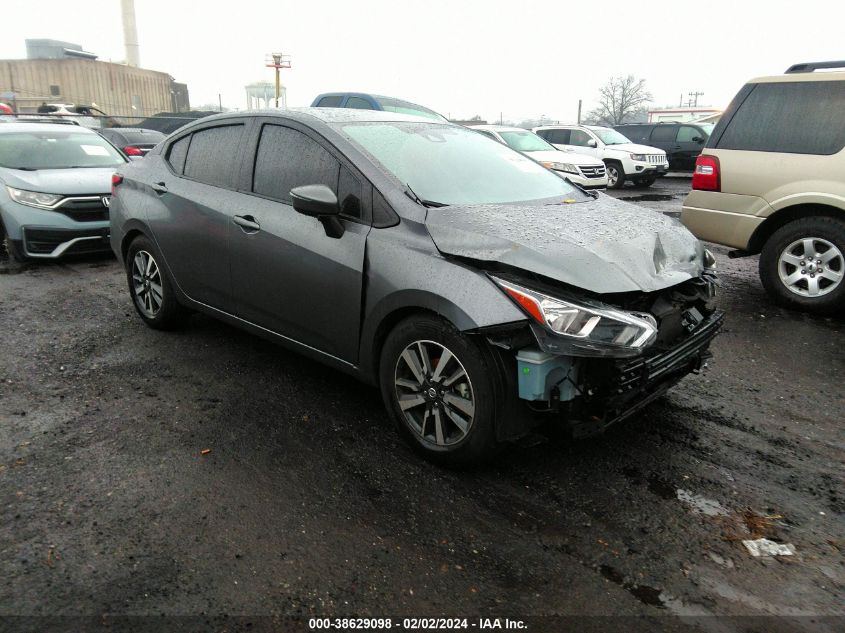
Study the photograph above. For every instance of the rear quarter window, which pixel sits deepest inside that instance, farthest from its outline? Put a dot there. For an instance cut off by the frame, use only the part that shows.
(177, 153)
(794, 118)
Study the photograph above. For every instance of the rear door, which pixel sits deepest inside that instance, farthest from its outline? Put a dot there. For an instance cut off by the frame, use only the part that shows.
(558, 138)
(688, 145)
(663, 137)
(195, 199)
(288, 276)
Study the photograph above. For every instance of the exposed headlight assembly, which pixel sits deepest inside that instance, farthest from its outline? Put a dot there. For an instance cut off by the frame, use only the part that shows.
(568, 168)
(582, 328)
(33, 198)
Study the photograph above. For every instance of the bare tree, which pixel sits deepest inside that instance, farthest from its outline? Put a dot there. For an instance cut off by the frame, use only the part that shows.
(620, 99)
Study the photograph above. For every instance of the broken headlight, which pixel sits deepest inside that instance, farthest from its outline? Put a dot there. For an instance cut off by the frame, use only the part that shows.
(587, 329)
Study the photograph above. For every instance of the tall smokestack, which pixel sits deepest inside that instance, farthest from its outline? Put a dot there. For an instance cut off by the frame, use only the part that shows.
(130, 33)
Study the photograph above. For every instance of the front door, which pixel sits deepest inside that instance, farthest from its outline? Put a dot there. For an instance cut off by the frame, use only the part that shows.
(288, 276)
(688, 143)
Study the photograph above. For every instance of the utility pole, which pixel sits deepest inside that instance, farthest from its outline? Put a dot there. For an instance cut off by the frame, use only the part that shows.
(579, 111)
(694, 98)
(279, 61)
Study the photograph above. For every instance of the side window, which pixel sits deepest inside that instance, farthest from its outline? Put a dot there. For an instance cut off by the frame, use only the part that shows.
(561, 137)
(358, 103)
(383, 215)
(799, 117)
(686, 134)
(579, 138)
(211, 155)
(636, 133)
(332, 101)
(664, 133)
(287, 158)
(349, 194)
(177, 153)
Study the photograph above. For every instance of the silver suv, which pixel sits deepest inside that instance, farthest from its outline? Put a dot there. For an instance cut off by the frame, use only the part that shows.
(55, 189)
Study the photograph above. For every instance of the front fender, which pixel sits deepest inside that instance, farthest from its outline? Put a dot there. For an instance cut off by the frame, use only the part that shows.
(407, 273)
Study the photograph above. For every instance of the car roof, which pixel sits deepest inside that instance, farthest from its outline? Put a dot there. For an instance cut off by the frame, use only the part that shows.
(44, 127)
(794, 77)
(326, 115)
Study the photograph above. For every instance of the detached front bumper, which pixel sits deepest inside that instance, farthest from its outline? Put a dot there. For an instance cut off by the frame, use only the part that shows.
(630, 384)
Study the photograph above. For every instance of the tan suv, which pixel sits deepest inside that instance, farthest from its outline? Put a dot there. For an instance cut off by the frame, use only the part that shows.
(771, 180)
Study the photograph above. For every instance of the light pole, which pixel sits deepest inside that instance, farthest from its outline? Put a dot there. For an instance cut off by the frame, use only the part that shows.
(279, 61)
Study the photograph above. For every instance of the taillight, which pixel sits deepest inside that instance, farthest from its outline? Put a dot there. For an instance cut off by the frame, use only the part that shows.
(132, 151)
(116, 179)
(706, 176)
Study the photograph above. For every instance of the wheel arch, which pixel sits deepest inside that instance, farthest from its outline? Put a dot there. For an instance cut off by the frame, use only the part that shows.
(786, 215)
(393, 309)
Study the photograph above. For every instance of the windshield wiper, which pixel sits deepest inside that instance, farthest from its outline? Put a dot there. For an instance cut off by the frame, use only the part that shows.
(426, 203)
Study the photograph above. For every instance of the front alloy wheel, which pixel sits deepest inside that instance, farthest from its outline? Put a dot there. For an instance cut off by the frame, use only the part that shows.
(442, 389)
(434, 393)
(615, 176)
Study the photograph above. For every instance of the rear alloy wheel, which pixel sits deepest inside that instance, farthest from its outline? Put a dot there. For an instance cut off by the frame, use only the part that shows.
(803, 264)
(150, 287)
(437, 385)
(615, 176)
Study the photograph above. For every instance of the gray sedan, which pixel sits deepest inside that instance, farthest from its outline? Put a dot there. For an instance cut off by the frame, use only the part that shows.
(480, 291)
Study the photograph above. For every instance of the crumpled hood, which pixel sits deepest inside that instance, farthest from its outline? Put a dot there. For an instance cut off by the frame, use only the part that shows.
(65, 181)
(602, 246)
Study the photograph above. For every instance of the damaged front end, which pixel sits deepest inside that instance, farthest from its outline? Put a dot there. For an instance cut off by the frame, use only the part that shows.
(593, 361)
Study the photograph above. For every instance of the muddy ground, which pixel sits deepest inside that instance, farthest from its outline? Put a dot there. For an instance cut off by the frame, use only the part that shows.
(308, 503)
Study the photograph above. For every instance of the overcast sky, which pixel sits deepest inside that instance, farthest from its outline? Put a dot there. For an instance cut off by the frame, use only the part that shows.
(461, 58)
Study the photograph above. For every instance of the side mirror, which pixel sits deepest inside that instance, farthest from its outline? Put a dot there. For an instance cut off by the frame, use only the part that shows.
(697, 139)
(591, 142)
(318, 201)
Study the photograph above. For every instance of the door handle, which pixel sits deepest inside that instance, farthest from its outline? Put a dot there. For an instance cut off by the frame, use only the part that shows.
(247, 223)
(159, 187)
(676, 147)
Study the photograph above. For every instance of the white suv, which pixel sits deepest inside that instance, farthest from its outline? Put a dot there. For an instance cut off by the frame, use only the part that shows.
(625, 160)
(586, 171)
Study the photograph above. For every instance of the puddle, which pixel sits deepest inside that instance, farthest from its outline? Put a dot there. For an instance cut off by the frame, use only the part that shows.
(652, 197)
(643, 593)
(697, 503)
(702, 505)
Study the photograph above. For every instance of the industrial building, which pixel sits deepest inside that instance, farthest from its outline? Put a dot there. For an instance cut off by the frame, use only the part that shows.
(62, 72)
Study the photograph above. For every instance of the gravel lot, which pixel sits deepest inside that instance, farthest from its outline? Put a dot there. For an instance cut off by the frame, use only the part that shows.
(308, 503)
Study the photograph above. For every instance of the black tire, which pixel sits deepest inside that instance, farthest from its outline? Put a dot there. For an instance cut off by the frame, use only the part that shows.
(615, 168)
(170, 313)
(823, 234)
(459, 447)
(8, 249)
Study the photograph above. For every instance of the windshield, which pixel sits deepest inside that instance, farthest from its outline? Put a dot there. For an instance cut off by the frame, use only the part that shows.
(406, 107)
(610, 137)
(56, 149)
(454, 165)
(526, 142)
